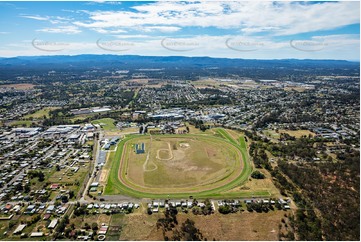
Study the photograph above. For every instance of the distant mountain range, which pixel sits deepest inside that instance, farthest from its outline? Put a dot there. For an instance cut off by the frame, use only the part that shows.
(183, 67)
(181, 60)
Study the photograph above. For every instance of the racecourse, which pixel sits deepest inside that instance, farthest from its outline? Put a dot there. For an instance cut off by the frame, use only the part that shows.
(158, 172)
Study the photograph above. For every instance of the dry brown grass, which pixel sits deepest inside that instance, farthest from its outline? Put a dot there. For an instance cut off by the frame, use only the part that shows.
(141, 227)
(203, 162)
(257, 185)
(234, 134)
(155, 85)
(20, 86)
(141, 81)
(298, 89)
(297, 133)
(244, 226)
(207, 83)
(240, 226)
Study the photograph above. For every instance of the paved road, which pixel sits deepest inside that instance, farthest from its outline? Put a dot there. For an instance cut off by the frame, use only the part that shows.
(84, 198)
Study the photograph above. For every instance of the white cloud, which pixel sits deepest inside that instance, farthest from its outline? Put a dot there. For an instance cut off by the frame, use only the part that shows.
(136, 36)
(61, 30)
(50, 19)
(165, 29)
(36, 17)
(336, 47)
(281, 18)
(106, 31)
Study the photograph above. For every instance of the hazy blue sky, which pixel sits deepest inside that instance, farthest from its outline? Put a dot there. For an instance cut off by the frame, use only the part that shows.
(234, 29)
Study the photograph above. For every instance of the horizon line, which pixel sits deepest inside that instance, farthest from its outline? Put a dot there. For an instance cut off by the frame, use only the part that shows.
(183, 56)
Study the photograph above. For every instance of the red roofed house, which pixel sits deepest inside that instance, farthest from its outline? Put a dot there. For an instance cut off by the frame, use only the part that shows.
(54, 186)
(8, 206)
(47, 216)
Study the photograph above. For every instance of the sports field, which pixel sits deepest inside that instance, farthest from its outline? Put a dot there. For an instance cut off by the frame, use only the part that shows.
(179, 166)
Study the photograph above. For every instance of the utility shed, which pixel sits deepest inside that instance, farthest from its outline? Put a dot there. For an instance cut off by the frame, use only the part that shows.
(19, 228)
(53, 224)
(36, 234)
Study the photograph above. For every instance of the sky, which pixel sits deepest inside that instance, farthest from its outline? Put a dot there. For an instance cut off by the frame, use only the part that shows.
(230, 29)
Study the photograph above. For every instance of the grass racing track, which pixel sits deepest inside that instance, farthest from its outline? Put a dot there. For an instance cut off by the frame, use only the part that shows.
(115, 186)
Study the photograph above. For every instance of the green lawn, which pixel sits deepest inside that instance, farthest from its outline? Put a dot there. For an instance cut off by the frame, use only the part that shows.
(40, 113)
(82, 117)
(105, 123)
(114, 186)
(21, 123)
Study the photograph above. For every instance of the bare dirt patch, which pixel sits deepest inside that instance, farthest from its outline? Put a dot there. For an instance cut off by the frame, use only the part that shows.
(184, 145)
(104, 176)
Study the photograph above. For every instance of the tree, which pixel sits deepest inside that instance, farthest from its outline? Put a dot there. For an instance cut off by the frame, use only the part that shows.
(86, 226)
(19, 187)
(12, 223)
(41, 176)
(190, 232)
(94, 226)
(27, 188)
(67, 232)
(64, 199)
(71, 194)
(225, 209)
(62, 224)
(257, 175)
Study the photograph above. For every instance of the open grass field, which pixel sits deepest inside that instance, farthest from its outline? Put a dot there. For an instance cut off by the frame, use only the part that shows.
(81, 117)
(272, 134)
(106, 123)
(179, 166)
(297, 133)
(40, 113)
(21, 123)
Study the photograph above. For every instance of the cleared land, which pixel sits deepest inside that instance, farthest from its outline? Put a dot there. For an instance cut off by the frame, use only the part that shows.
(106, 123)
(296, 133)
(167, 175)
(20, 86)
(240, 226)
